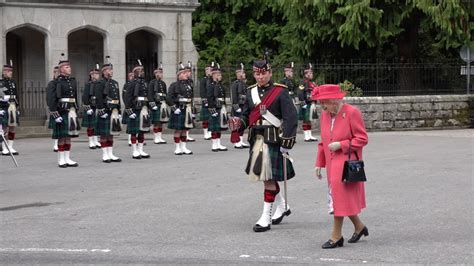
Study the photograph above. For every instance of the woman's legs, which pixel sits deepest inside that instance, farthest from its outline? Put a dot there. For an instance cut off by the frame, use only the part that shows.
(337, 228)
(358, 225)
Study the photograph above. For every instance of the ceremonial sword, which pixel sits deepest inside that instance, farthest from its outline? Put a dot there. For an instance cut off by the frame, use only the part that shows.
(286, 156)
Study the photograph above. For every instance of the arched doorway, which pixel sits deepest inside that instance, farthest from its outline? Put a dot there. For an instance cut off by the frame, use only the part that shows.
(143, 45)
(85, 49)
(25, 46)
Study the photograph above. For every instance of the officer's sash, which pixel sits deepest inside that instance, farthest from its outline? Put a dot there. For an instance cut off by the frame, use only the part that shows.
(73, 123)
(267, 101)
(223, 117)
(115, 126)
(145, 119)
(188, 117)
(164, 112)
(12, 117)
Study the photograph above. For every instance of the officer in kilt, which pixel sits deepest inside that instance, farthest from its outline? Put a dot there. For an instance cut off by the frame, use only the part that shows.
(288, 82)
(138, 110)
(9, 112)
(130, 77)
(180, 100)
(268, 111)
(89, 105)
(238, 94)
(189, 73)
(63, 105)
(108, 113)
(217, 109)
(159, 109)
(204, 114)
(51, 88)
(308, 112)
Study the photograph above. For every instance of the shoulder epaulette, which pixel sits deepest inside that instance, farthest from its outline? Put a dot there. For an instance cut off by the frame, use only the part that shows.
(280, 85)
(252, 86)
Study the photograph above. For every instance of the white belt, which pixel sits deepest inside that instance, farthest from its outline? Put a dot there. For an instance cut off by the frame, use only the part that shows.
(161, 94)
(113, 102)
(67, 100)
(142, 99)
(221, 99)
(185, 100)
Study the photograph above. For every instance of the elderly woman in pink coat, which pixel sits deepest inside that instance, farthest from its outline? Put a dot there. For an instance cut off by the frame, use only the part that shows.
(341, 125)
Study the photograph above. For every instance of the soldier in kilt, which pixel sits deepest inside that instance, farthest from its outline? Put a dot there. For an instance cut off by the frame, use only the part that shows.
(108, 113)
(180, 100)
(9, 112)
(130, 77)
(189, 73)
(308, 112)
(159, 109)
(89, 105)
(268, 111)
(204, 114)
(138, 110)
(51, 89)
(217, 109)
(62, 104)
(238, 93)
(288, 82)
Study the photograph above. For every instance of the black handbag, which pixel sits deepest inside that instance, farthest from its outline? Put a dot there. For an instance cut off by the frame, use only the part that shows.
(353, 169)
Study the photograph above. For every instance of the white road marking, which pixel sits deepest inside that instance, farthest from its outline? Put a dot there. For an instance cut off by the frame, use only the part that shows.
(70, 250)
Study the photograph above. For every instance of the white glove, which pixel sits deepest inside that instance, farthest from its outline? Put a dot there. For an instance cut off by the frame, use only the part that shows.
(119, 116)
(304, 106)
(177, 111)
(238, 110)
(18, 113)
(284, 150)
(90, 112)
(104, 115)
(133, 116)
(214, 114)
(193, 116)
(59, 120)
(154, 108)
(317, 171)
(334, 146)
(2, 112)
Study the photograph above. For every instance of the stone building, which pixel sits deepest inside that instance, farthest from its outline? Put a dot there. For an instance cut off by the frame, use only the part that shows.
(36, 32)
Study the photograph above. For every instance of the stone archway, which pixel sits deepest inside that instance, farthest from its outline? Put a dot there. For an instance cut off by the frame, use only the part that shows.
(85, 49)
(25, 46)
(143, 44)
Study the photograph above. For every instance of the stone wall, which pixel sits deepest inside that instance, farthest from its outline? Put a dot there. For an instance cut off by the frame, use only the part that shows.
(414, 112)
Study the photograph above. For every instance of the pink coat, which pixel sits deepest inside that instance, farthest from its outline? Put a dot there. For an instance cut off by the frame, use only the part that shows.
(348, 199)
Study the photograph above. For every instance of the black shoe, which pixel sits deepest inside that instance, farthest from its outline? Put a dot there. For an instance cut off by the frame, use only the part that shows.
(107, 161)
(215, 150)
(190, 140)
(55, 150)
(117, 160)
(238, 147)
(137, 157)
(145, 156)
(93, 147)
(72, 165)
(356, 236)
(279, 219)
(258, 228)
(62, 165)
(332, 244)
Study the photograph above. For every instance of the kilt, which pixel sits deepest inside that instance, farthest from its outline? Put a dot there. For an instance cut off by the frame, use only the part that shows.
(276, 161)
(102, 126)
(124, 118)
(89, 121)
(60, 130)
(4, 119)
(133, 125)
(177, 121)
(215, 124)
(155, 115)
(204, 114)
(303, 114)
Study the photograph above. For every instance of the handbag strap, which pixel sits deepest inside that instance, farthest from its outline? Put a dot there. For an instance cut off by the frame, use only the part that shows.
(350, 151)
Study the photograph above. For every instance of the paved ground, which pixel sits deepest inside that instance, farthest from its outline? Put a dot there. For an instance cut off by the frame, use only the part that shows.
(419, 198)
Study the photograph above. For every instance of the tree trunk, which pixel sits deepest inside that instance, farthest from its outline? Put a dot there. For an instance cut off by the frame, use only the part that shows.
(407, 43)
